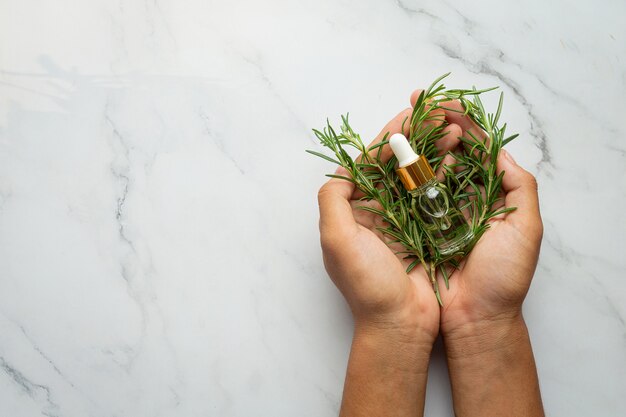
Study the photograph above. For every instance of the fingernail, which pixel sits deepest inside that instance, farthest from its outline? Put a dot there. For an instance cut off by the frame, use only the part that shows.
(508, 156)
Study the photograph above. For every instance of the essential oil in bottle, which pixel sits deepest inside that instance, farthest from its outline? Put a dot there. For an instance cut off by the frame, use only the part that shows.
(431, 202)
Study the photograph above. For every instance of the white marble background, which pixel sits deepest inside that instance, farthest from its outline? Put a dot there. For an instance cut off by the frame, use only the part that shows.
(159, 252)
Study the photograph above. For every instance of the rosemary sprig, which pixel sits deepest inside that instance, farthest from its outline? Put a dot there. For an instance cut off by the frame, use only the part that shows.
(472, 178)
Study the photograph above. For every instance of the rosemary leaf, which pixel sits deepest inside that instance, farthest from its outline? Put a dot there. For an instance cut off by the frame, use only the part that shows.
(472, 178)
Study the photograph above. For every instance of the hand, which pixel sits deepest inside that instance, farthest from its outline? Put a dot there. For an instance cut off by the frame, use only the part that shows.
(362, 264)
(494, 279)
(396, 314)
(487, 345)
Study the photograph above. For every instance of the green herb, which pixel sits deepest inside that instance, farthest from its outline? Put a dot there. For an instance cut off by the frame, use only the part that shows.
(472, 178)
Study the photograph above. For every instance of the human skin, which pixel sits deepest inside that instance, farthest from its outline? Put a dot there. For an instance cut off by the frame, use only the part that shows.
(397, 317)
(490, 360)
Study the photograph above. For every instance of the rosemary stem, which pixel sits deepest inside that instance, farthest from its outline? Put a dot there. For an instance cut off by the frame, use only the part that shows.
(377, 181)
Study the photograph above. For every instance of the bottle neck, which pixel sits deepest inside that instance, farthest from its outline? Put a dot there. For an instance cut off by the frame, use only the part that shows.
(422, 188)
(416, 174)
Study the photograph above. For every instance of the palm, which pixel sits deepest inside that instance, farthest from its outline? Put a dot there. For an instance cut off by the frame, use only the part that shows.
(387, 280)
(496, 275)
(363, 266)
(490, 278)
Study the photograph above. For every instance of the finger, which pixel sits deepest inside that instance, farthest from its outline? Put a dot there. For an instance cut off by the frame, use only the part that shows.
(520, 188)
(399, 124)
(436, 117)
(336, 218)
(450, 141)
(455, 113)
(440, 172)
(439, 114)
(366, 218)
(447, 143)
(375, 223)
(414, 96)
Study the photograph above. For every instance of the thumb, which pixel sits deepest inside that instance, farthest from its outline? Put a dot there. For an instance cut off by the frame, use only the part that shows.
(520, 187)
(336, 218)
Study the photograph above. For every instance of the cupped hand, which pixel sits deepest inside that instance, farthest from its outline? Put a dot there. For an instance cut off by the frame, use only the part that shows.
(494, 278)
(365, 268)
(490, 285)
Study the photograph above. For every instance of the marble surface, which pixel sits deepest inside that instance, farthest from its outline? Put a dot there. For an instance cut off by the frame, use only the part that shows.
(159, 250)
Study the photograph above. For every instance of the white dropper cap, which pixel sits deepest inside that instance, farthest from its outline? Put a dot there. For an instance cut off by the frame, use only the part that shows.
(403, 151)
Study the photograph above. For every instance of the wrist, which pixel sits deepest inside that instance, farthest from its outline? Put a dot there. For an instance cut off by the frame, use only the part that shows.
(388, 365)
(492, 369)
(463, 320)
(400, 330)
(393, 351)
(473, 339)
(412, 321)
(403, 347)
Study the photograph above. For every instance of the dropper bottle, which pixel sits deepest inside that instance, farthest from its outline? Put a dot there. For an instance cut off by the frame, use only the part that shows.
(431, 202)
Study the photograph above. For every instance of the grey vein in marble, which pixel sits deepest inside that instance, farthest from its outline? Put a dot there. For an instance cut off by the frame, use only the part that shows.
(158, 257)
